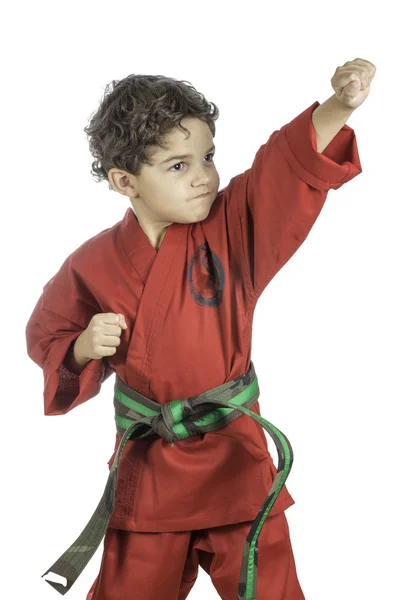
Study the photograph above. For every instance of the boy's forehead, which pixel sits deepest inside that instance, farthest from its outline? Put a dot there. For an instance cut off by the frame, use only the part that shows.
(193, 124)
(180, 141)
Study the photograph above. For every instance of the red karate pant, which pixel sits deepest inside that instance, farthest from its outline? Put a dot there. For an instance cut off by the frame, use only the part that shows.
(164, 566)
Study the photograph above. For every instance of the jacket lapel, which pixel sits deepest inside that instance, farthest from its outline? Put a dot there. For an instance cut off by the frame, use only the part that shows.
(156, 270)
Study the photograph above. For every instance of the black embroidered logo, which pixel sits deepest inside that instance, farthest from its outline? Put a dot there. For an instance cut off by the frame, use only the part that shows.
(206, 277)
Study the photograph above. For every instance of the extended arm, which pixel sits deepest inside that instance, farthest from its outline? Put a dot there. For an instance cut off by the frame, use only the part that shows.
(328, 119)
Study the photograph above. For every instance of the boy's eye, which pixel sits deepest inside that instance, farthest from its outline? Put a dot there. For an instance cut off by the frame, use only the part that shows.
(181, 163)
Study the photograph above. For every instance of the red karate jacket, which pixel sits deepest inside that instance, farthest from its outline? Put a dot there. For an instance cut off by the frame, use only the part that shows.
(189, 309)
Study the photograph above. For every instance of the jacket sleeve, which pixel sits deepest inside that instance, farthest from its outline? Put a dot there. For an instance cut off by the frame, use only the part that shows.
(62, 312)
(273, 205)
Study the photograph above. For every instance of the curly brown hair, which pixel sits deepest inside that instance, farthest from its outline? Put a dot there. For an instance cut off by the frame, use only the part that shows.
(136, 113)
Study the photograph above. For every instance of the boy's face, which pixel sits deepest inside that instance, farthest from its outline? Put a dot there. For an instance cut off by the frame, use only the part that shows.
(166, 191)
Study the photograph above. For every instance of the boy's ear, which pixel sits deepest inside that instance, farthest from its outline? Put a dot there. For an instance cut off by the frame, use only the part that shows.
(122, 182)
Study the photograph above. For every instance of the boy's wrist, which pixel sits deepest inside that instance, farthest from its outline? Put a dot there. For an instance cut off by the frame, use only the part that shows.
(74, 361)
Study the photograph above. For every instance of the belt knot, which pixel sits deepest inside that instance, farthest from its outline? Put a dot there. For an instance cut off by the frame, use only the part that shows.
(161, 425)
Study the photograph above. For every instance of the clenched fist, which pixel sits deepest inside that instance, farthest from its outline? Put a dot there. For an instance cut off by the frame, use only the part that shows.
(101, 338)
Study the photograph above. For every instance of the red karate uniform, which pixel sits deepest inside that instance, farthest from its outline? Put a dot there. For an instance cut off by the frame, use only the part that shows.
(189, 309)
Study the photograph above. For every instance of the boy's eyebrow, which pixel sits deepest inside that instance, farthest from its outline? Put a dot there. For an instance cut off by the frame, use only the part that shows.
(184, 155)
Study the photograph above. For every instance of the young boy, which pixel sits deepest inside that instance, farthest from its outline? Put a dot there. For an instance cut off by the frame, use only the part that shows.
(165, 299)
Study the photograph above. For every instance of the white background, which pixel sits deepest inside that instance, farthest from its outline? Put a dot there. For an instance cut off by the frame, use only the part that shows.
(326, 329)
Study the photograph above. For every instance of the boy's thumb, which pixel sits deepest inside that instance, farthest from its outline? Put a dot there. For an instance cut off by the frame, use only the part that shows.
(121, 320)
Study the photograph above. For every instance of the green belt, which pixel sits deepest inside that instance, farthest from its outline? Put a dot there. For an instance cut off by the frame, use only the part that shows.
(137, 417)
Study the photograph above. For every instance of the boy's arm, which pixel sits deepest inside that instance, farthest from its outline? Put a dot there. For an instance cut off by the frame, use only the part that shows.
(59, 317)
(328, 119)
(351, 82)
(271, 207)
